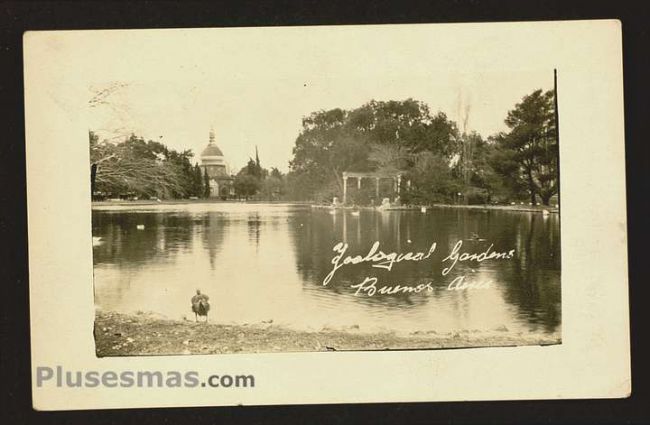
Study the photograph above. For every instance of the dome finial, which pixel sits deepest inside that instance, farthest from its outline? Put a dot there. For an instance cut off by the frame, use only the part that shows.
(211, 135)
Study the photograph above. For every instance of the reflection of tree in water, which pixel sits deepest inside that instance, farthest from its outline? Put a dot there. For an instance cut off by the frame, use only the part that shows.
(532, 278)
(214, 229)
(254, 224)
(123, 244)
(319, 232)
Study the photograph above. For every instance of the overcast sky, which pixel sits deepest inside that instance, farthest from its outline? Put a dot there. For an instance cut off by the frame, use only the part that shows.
(254, 86)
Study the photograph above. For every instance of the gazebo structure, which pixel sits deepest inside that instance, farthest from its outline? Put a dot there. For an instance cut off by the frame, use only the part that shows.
(396, 177)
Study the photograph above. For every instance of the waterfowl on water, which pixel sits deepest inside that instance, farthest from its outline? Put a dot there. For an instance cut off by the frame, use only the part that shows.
(200, 305)
(476, 238)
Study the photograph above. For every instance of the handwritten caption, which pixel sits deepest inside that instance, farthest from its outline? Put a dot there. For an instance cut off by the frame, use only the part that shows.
(382, 260)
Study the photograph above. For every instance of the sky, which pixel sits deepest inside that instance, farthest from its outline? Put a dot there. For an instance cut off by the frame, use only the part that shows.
(254, 87)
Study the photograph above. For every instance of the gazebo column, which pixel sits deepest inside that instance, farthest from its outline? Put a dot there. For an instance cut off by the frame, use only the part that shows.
(359, 183)
(345, 189)
(377, 188)
(399, 182)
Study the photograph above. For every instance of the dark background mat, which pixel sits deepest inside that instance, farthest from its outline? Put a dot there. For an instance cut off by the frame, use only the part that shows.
(15, 18)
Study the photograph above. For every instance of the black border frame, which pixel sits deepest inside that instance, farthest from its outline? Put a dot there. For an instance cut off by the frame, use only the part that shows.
(16, 17)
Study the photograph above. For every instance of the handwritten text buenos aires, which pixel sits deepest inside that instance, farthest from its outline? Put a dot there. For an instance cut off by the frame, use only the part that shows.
(380, 259)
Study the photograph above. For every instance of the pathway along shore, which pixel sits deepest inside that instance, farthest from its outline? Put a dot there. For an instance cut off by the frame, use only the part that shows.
(119, 334)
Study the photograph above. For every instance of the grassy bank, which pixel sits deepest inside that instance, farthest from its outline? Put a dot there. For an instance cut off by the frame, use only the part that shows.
(146, 334)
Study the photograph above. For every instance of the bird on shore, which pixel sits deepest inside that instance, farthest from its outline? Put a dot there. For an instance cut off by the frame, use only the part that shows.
(200, 305)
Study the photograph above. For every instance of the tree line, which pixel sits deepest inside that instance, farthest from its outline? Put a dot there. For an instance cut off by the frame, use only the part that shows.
(139, 168)
(439, 163)
(135, 168)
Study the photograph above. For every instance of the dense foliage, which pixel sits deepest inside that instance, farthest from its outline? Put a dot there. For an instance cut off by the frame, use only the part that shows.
(137, 168)
(438, 163)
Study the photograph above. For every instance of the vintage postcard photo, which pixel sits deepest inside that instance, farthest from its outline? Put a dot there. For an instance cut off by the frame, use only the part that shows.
(419, 215)
(337, 199)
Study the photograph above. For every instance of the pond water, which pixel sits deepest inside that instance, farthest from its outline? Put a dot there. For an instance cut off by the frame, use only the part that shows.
(260, 262)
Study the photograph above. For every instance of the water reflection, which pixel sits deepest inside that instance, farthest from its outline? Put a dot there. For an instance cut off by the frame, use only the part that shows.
(261, 262)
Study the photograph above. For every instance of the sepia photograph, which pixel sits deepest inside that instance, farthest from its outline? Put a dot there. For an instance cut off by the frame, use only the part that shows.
(302, 215)
(252, 212)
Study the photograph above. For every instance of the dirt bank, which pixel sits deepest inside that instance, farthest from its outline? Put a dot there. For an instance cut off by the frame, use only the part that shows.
(146, 334)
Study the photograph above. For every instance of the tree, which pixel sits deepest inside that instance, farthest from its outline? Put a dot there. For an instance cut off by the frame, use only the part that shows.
(390, 158)
(206, 184)
(253, 169)
(272, 188)
(258, 165)
(529, 152)
(484, 176)
(324, 149)
(134, 167)
(246, 185)
(275, 173)
(431, 180)
(408, 123)
(197, 180)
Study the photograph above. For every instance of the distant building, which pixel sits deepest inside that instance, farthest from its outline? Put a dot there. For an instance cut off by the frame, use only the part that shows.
(213, 161)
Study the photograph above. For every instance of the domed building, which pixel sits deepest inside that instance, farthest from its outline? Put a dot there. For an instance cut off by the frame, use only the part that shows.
(213, 161)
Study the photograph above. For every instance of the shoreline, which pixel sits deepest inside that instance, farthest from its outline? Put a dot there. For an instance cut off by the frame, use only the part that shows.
(119, 334)
(514, 208)
(189, 201)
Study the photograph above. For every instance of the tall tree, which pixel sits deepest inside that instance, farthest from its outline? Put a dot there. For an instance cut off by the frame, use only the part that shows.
(324, 149)
(531, 145)
(206, 184)
(197, 181)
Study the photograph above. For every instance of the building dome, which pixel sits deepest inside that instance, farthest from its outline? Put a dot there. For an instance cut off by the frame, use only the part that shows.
(214, 166)
(212, 150)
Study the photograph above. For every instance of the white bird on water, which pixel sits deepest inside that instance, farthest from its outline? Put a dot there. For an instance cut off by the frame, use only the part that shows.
(476, 238)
